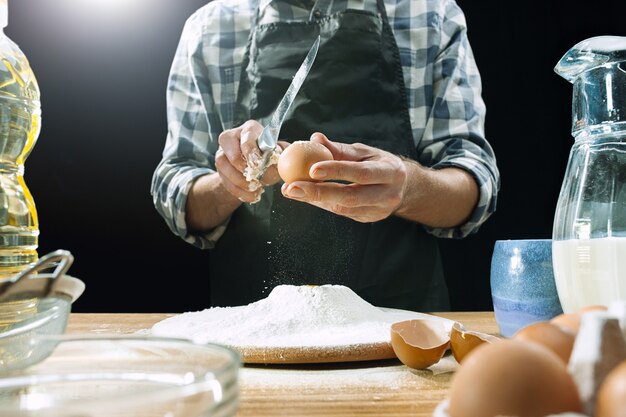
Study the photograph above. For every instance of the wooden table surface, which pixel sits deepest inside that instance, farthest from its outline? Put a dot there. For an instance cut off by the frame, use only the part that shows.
(377, 388)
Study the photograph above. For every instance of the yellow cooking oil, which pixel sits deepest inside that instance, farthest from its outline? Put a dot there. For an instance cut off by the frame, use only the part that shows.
(20, 123)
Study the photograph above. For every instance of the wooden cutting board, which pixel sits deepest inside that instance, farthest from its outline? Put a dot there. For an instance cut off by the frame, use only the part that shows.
(315, 354)
(367, 351)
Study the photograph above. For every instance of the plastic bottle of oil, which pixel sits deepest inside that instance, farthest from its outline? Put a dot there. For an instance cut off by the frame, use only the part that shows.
(20, 117)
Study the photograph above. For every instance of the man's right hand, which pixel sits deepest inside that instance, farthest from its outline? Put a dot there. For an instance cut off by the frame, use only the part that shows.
(236, 147)
(214, 197)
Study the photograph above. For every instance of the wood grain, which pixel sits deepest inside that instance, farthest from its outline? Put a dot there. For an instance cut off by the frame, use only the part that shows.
(359, 389)
(313, 354)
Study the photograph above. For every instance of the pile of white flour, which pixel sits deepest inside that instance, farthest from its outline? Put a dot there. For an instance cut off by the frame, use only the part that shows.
(291, 316)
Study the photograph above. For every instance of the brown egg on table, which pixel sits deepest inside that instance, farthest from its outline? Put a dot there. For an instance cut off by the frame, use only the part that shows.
(589, 308)
(296, 160)
(611, 399)
(463, 341)
(512, 378)
(572, 320)
(419, 343)
(558, 339)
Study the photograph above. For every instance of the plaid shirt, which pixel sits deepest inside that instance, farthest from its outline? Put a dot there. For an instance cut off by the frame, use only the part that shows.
(443, 85)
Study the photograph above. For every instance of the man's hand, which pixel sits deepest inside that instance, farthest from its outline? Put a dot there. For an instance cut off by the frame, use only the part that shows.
(236, 147)
(376, 182)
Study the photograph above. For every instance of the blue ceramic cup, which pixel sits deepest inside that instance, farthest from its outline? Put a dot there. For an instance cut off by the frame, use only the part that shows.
(522, 284)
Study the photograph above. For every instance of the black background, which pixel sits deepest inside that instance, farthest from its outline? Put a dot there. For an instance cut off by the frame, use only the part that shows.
(102, 67)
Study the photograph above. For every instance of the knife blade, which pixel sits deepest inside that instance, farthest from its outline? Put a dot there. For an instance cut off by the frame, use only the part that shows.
(268, 139)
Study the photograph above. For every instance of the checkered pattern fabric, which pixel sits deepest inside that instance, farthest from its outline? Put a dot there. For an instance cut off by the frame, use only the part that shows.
(442, 81)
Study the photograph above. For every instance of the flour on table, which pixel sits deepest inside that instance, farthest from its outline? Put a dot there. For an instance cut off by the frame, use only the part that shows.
(291, 316)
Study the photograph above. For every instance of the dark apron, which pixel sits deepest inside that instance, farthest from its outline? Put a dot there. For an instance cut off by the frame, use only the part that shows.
(354, 92)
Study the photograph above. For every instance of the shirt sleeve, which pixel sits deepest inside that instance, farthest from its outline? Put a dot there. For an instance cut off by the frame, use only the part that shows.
(454, 132)
(190, 147)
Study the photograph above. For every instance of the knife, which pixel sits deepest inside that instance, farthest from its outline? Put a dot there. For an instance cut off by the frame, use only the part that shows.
(268, 139)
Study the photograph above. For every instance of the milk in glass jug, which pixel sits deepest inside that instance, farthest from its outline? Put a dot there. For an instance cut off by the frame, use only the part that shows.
(589, 233)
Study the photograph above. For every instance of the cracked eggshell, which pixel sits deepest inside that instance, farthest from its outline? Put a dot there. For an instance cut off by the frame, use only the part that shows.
(463, 341)
(419, 343)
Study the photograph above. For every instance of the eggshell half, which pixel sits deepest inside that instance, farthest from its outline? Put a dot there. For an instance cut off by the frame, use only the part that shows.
(419, 343)
(464, 341)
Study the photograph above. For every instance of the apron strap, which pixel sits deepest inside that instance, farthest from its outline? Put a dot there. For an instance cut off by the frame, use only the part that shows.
(382, 10)
(255, 8)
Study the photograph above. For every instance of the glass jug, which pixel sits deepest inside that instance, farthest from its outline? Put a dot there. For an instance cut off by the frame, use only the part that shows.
(589, 233)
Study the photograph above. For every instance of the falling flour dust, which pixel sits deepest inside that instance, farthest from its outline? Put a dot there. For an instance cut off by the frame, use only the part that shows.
(290, 316)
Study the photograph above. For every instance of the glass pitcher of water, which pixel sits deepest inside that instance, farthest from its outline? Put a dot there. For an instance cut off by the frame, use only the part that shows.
(589, 233)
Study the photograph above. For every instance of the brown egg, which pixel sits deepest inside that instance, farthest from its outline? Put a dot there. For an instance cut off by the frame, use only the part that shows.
(419, 343)
(558, 339)
(296, 160)
(572, 320)
(596, 307)
(569, 321)
(464, 341)
(611, 400)
(512, 378)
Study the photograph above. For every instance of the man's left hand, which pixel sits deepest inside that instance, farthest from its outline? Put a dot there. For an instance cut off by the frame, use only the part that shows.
(374, 188)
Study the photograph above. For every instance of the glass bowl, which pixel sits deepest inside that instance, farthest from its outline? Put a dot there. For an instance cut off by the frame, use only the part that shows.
(23, 321)
(125, 376)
